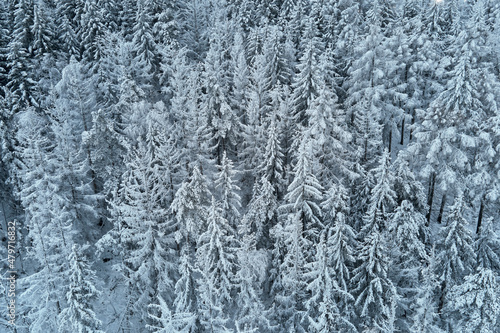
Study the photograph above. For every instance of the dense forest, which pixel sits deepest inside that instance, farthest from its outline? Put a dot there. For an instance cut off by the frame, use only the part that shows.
(250, 165)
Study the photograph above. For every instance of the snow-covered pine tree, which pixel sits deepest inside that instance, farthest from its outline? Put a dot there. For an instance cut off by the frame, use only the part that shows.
(269, 185)
(328, 131)
(425, 309)
(272, 164)
(406, 229)
(43, 30)
(250, 275)
(476, 301)
(181, 82)
(305, 192)
(81, 201)
(79, 316)
(257, 110)
(20, 77)
(348, 28)
(456, 256)
(229, 198)
(369, 87)
(216, 261)
(341, 241)
(165, 21)
(143, 224)
(145, 63)
(241, 80)
(194, 32)
(291, 250)
(262, 212)
(488, 246)
(307, 81)
(383, 197)
(446, 136)
(43, 290)
(482, 182)
(91, 29)
(167, 322)
(375, 294)
(323, 311)
(190, 206)
(298, 229)
(223, 123)
(407, 186)
(278, 61)
(185, 291)
(4, 42)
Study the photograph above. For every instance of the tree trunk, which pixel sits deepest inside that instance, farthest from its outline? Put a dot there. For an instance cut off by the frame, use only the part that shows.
(402, 131)
(430, 196)
(390, 140)
(412, 122)
(480, 216)
(441, 209)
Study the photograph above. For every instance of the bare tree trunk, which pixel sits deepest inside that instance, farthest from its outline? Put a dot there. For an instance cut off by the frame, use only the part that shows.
(480, 216)
(412, 122)
(441, 209)
(390, 140)
(402, 131)
(430, 196)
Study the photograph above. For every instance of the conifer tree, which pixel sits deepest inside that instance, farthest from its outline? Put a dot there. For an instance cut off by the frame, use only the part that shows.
(4, 42)
(488, 247)
(406, 229)
(185, 290)
(370, 92)
(341, 241)
(241, 80)
(252, 263)
(382, 200)
(49, 236)
(456, 257)
(272, 164)
(166, 321)
(375, 293)
(143, 225)
(328, 132)
(79, 316)
(476, 301)
(425, 310)
(229, 197)
(298, 229)
(190, 206)
(145, 61)
(407, 186)
(324, 313)
(20, 78)
(222, 121)
(262, 212)
(307, 81)
(216, 262)
(305, 192)
(257, 110)
(91, 30)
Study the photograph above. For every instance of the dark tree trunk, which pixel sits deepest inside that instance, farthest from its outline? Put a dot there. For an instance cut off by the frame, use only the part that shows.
(390, 140)
(480, 216)
(441, 209)
(430, 196)
(412, 122)
(402, 131)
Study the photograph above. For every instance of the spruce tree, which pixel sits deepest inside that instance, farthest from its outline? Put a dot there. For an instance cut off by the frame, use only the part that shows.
(216, 260)
(456, 256)
(79, 316)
